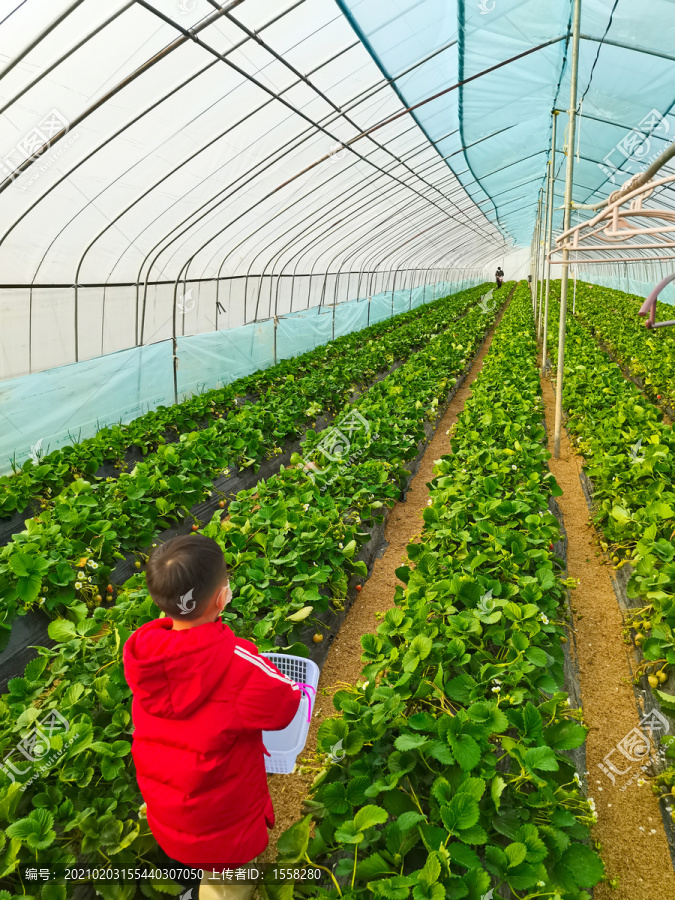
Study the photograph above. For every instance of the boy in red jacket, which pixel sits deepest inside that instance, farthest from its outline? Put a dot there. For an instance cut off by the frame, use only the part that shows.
(201, 700)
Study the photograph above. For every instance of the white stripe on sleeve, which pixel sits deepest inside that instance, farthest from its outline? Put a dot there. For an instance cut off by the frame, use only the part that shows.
(256, 661)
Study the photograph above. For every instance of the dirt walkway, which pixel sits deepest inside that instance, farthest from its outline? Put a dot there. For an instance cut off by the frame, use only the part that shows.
(343, 664)
(630, 829)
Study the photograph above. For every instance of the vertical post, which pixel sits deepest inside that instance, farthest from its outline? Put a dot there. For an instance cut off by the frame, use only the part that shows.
(550, 243)
(537, 232)
(542, 240)
(574, 302)
(276, 322)
(544, 248)
(174, 344)
(569, 183)
(75, 323)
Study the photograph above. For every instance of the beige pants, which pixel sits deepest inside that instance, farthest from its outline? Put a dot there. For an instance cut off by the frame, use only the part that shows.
(217, 889)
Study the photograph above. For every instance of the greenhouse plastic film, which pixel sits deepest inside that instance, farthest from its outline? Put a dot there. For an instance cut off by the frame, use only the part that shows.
(60, 406)
(220, 357)
(69, 403)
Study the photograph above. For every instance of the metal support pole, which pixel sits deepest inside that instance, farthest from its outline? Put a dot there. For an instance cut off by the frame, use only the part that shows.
(569, 183)
(542, 240)
(276, 322)
(537, 238)
(574, 302)
(544, 249)
(550, 243)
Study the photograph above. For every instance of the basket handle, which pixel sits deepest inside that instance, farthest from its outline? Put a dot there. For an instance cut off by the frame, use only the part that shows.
(306, 688)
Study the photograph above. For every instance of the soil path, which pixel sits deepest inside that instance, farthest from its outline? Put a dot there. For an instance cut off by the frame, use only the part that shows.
(630, 829)
(343, 664)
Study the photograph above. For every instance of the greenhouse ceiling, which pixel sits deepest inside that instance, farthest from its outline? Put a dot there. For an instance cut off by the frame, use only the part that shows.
(148, 144)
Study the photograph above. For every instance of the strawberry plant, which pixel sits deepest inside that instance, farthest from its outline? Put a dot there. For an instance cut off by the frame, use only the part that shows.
(612, 316)
(104, 518)
(358, 356)
(455, 775)
(290, 545)
(629, 457)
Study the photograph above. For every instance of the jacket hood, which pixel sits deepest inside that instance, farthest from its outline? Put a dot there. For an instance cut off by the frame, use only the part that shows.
(172, 673)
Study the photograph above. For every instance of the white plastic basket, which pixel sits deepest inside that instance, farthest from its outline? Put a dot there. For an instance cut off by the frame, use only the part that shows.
(285, 745)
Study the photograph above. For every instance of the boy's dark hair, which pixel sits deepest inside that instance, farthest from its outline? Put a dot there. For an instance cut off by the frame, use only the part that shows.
(183, 574)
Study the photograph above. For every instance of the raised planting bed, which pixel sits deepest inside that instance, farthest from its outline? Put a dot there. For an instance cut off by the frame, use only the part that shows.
(646, 356)
(629, 466)
(100, 521)
(456, 776)
(292, 548)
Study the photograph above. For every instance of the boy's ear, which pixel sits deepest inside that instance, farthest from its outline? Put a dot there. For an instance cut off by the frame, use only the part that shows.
(224, 597)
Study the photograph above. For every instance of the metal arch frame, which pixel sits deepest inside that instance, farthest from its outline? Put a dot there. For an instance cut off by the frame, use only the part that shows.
(185, 267)
(372, 238)
(43, 34)
(130, 124)
(50, 68)
(385, 234)
(375, 237)
(413, 151)
(329, 229)
(346, 198)
(133, 121)
(437, 260)
(391, 190)
(369, 238)
(416, 175)
(148, 64)
(320, 212)
(306, 80)
(316, 125)
(374, 246)
(399, 76)
(368, 93)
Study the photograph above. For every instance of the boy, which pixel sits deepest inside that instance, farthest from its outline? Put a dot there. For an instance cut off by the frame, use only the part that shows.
(201, 699)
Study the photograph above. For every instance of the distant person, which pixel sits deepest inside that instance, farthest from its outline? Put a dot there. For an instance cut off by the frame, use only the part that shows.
(499, 275)
(201, 700)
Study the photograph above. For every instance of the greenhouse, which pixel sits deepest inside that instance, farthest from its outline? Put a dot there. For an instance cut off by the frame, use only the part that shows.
(337, 383)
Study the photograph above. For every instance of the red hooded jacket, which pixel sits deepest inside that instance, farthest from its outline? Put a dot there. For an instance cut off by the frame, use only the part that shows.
(201, 701)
